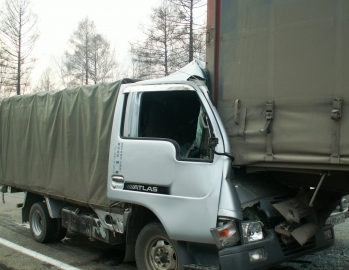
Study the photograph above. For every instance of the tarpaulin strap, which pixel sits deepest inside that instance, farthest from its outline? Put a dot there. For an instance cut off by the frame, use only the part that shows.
(336, 115)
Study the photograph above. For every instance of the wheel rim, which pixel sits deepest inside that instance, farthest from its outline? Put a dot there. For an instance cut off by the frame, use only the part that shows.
(160, 254)
(37, 223)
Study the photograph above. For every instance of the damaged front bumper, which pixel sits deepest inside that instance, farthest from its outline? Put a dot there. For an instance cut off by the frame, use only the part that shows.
(273, 249)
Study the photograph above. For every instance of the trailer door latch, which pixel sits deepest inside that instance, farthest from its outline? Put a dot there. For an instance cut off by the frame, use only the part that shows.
(269, 114)
(336, 112)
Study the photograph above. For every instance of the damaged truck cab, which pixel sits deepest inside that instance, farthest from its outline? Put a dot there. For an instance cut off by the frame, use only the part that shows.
(212, 214)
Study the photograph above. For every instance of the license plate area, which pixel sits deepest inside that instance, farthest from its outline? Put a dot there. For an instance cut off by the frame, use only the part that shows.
(335, 219)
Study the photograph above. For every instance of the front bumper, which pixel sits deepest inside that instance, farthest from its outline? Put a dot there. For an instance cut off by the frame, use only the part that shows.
(346, 214)
(237, 257)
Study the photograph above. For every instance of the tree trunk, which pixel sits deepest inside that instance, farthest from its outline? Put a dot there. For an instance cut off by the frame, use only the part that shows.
(166, 61)
(19, 54)
(191, 34)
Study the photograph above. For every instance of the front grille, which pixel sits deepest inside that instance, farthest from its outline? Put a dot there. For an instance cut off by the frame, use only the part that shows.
(295, 247)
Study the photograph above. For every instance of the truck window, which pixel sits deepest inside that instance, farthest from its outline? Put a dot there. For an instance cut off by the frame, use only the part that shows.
(173, 115)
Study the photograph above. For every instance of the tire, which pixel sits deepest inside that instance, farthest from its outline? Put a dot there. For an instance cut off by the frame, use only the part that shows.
(154, 249)
(60, 232)
(42, 226)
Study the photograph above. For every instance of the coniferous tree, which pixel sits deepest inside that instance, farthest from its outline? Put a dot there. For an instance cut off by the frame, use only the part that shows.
(18, 33)
(89, 59)
(47, 81)
(102, 60)
(4, 90)
(194, 39)
(173, 39)
(162, 51)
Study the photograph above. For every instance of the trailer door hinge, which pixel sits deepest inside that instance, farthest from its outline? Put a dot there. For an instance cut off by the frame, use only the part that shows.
(208, 37)
(336, 112)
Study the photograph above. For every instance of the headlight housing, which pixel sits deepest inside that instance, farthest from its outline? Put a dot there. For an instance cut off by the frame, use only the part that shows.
(344, 205)
(252, 231)
(226, 235)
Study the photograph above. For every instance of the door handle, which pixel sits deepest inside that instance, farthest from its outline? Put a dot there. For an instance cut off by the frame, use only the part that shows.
(118, 178)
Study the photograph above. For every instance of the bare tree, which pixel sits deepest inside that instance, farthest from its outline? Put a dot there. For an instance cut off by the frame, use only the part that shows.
(65, 78)
(193, 10)
(3, 73)
(19, 34)
(102, 60)
(199, 43)
(90, 58)
(162, 50)
(47, 81)
(77, 57)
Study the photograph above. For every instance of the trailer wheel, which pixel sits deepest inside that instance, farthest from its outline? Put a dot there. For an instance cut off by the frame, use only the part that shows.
(42, 226)
(154, 249)
(60, 232)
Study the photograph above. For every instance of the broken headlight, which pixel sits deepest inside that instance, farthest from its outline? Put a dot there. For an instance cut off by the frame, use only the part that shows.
(344, 205)
(226, 235)
(252, 231)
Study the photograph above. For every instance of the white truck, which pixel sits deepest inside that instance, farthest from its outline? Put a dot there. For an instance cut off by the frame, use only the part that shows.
(155, 166)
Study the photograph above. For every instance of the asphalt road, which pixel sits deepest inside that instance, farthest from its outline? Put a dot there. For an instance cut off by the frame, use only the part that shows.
(83, 253)
(75, 250)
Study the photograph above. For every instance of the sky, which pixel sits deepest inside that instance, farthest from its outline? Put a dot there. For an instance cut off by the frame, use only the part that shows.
(117, 20)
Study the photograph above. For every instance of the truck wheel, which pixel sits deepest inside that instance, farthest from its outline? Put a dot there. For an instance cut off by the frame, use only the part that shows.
(42, 226)
(60, 232)
(154, 249)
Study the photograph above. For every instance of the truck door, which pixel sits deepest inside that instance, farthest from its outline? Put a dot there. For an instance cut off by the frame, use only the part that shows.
(160, 159)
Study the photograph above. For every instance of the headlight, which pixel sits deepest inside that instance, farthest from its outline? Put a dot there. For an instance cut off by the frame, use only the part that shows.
(226, 235)
(252, 231)
(344, 205)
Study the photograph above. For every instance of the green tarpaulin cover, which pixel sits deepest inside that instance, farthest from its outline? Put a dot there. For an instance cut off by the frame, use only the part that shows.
(57, 143)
